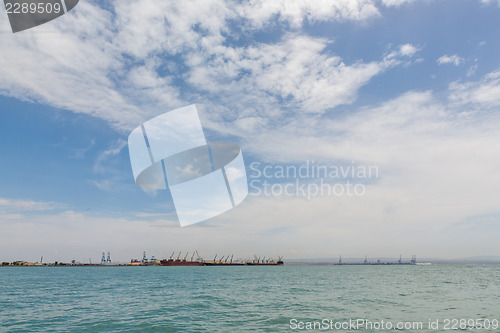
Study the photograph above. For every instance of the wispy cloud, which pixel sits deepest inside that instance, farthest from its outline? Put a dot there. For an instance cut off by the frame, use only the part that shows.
(260, 12)
(106, 166)
(79, 153)
(296, 70)
(450, 59)
(472, 70)
(484, 93)
(408, 50)
(487, 2)
(103, 158)
(20, 205)
(395, 3)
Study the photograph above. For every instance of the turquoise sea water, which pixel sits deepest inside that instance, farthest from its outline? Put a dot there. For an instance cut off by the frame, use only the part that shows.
(242, 298)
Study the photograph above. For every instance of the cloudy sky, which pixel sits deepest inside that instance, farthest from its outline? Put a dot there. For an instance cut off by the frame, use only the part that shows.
(409, 87)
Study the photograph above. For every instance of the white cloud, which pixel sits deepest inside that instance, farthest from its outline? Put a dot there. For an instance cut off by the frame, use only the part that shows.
(172, 26)
(453, 59)
(68, 66)
(105, 185)
(260, 12)
(19, 205)
(484, 93)
(112, 175)
(107, 64)
(487, 2)
(295, 76)
(111, 65)
(396, 3)
(295, 69)
(472, 70)
(80, 152)
(104, 156)
(408, 50)
(404, 50)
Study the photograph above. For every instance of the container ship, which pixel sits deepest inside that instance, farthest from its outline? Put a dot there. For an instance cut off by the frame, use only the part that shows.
(265, 262)
(178, 262)
(223, 261)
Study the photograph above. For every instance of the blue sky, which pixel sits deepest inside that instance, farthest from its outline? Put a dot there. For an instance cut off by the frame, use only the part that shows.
(412, 87)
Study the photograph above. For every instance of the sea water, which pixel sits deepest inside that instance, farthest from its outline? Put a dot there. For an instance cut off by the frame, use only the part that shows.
(248, 298)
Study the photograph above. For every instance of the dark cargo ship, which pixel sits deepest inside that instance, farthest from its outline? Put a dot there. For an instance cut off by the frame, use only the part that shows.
(264, 262)
(183, 262)
(224, 261)
(168, 262)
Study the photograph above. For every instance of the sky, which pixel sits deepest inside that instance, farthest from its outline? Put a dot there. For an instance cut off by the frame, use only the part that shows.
(410, 89)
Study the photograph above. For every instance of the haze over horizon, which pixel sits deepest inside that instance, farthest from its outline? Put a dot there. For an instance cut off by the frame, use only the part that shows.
(408, 88)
